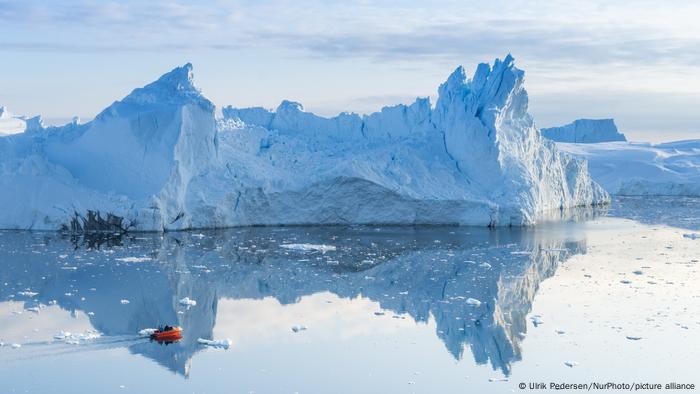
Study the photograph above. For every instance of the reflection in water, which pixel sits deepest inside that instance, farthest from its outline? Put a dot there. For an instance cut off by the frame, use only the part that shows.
(425, 272)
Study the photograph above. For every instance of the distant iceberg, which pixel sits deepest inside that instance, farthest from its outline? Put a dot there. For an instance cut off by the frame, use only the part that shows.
(643, 169)
(10, 123)
(585, 131)
(159, 160)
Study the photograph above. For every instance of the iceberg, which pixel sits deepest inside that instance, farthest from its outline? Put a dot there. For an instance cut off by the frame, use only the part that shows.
(585, 131)
(10, 123)
(642, 169)
(160, 160)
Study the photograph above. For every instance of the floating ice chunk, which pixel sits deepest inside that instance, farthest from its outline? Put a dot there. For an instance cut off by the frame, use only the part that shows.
(309, 247)
(485, 265)
(134, 259)
(34, 309)
(146, 332)
(223, 343)
(633, 338)
(16, 346)
(62, 335)
(537, 320)
(124, 302)
(200, 235)
(298, 327)
(27, 293)
(188, 302)
(691, 236)
(473, 301)
(570, 364)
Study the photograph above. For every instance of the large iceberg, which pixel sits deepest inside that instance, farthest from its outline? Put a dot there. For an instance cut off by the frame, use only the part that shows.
(159, 160)
(585, 131)
(638, 168)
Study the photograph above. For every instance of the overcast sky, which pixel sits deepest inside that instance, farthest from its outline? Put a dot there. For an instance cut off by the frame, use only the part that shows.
(635, 61)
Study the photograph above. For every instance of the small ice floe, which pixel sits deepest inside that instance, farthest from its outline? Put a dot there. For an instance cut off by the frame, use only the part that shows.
(570, 364)
(309, 247)
(34, 309)
(124, 302)
(27, 293)
(473, 301)
(537, 320)
(633, 338)
(62, 256)
(298, 327)
(200, 235)
(16, 346)
(691, 236)
(147, 332)
(134, 259)
(188, 302)
(485, 265)
(221, 344)
(521, 252)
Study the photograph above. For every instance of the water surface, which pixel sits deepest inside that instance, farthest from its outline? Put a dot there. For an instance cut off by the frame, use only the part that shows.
(356, 309)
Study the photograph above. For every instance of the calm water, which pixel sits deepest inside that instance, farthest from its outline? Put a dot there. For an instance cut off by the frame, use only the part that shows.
(358, 309)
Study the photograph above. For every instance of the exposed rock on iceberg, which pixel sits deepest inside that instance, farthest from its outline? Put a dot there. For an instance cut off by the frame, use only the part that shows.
(158, 160)
(585, 131)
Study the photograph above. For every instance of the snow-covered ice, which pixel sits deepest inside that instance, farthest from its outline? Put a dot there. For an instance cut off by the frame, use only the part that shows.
(475, 157)
(635, 168)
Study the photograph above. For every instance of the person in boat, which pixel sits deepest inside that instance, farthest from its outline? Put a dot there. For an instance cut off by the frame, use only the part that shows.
(167, 328)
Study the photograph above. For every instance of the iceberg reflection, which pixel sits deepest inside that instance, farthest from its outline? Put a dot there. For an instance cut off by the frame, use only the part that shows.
(477, 284)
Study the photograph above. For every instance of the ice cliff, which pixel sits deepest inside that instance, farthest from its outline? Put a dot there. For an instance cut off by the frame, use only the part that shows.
(585, 131)
(159, 160)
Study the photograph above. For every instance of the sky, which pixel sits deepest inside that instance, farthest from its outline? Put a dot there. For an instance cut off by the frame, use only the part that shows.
(635, 61)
